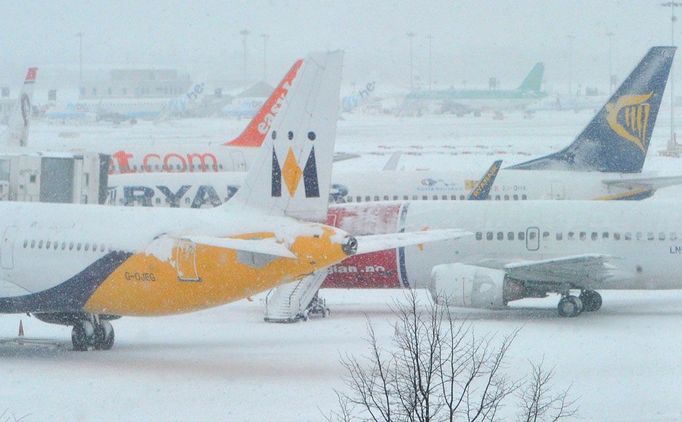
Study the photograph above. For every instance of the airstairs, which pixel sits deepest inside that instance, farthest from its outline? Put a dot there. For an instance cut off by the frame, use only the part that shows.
(296, 301)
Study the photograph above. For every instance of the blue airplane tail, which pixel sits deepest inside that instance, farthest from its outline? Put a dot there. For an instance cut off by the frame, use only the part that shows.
(617, 138)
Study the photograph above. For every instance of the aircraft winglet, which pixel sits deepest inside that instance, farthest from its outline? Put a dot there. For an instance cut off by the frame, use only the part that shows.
(481, 191)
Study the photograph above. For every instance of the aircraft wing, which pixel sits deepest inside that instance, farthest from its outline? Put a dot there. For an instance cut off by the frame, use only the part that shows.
(269, 246)
(380, 242)
(648, 183)
(586, 269)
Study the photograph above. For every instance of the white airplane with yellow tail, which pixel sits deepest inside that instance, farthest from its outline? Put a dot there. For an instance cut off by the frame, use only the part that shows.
(83, 265)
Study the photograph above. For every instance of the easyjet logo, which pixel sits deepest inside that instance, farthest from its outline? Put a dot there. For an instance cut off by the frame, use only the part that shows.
(629, 118)
(291, 174)
(126, 162)
(266, 122)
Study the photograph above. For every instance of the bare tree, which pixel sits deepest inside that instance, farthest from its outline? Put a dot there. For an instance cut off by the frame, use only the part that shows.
(437, 369)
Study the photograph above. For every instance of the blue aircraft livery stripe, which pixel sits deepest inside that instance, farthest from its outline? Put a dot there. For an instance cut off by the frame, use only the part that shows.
(69, 296)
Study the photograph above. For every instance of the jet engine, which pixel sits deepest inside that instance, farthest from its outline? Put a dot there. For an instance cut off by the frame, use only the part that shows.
(471, 286)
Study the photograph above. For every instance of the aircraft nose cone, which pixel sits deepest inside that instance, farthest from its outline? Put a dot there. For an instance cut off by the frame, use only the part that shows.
(349, 245)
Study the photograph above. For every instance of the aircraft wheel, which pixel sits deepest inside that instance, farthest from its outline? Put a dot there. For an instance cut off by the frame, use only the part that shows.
(104, 336)
(82, 335)
(591, 300)
(570, 306)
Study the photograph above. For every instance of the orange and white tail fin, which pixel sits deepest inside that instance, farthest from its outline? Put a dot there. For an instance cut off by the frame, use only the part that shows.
(254, 134)
(292, 175)
(20, 119)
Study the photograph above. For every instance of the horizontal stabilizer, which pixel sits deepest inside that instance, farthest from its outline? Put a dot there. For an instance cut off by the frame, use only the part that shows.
(651, 183)
(380, 242)
(269, 246)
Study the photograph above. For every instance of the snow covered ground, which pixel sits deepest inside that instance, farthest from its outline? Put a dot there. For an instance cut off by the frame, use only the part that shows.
(623, 362)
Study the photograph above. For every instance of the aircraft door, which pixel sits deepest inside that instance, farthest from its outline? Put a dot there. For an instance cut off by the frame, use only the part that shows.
(558, 191)
(7, 253)
(186, 260)
(532, 238)
(238, 161)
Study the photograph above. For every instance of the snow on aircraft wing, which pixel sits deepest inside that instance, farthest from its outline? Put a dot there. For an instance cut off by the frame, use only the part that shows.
(268, 246)
(380, 242)
(587, 269)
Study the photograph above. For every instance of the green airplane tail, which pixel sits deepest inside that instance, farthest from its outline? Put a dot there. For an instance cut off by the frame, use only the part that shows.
(533, 80)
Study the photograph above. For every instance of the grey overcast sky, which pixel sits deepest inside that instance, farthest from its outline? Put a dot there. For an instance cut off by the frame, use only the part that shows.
(471, 39)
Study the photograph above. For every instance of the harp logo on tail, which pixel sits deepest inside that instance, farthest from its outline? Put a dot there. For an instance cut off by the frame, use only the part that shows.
(290, 173)
(629, 118)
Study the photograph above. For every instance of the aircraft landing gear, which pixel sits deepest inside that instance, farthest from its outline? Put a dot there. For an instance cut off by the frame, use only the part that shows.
(94, 333)
(570, 306)
(591, 300)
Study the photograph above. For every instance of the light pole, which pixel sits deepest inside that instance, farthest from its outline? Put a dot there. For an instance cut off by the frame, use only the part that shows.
(245, 34)
(80, 61)
(570, 64)
(672, 5)
(410, 36)
(430, 38)
(265, 55)
(610, 35)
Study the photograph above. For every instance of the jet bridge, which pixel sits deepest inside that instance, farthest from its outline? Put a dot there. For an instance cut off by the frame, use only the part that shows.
(57, 177)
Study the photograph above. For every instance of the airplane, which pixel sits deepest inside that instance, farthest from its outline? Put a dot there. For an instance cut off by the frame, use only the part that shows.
(520, 250)
(20, 117)
(461, 101)
(604, 162)
(59, 263)
(118, 110)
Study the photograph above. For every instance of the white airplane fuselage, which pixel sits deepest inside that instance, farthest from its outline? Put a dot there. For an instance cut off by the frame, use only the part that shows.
(200, 190)
(643, 237)
(135, 261)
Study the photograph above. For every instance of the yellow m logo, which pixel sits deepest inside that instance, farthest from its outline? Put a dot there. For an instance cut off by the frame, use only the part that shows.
(633, 123)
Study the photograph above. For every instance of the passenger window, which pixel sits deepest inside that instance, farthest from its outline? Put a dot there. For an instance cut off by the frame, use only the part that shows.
(87, 247)
(497, 197)
(628, 236)
(661, 236)
(522, 236)
(395, 197)
(516, 197)
(650, 236)
(510, 236)
(71, 246)
(531, 235)
(616, 236)
(405, 197)
(500, 236)
(489, 236)
(348, 199)
(78, 246)
(444, 197)
(461, 197)
(48, 244)
(376, 197)
(594, 236)
(559, 236)
(415, 197)
(605, 235)
(33, 244)
(435, 197)
(25, 243)
(158, 201)
(524, 197)
(479, 236)
(639, 235)
(571, 235)
(368, 198)
(506, 197)
(545, 235)
(673, 236)
(583, 235)
(386, 198)
(425, 197)
(453, 197)
(187, 200)
(40, 245)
